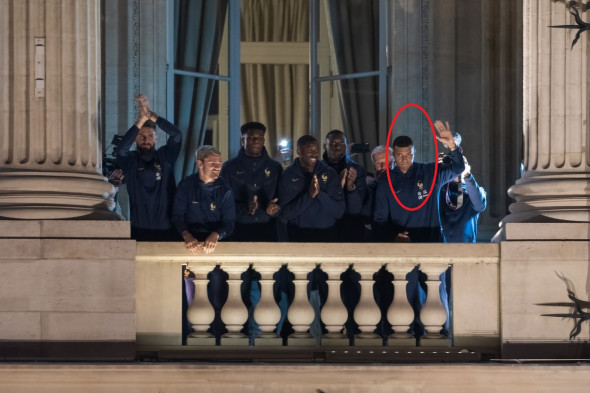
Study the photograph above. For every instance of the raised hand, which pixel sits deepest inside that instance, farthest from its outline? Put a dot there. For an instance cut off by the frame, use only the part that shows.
(445, 135)
(143, 105)
(343, 176)
(351, 179)
(253, 206)
(314, 187)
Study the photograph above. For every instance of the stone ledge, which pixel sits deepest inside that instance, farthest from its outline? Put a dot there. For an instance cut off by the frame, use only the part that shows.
(65, 229)
(357, 253)
(515, 231)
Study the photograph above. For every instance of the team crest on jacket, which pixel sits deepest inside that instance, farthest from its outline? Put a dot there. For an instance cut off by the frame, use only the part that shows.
(212, 206)
(267, 172)
(324, 177)
(422, 193)
(158, 171)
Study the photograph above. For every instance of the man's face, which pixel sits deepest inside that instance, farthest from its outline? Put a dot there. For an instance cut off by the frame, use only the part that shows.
(335, 147)
(146, 140)
(253, 142)
(308, 155)
(209, 168)
(403, 157)
(379, 162)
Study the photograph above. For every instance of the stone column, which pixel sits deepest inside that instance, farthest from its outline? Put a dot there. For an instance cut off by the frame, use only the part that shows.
(555, 184)
(50, 154)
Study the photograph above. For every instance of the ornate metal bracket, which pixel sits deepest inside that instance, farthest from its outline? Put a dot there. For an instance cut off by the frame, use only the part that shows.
(580, 25)
(578, 314)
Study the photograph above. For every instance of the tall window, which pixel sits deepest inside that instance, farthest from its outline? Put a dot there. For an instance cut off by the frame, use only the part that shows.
(304, 67)
(196, 77)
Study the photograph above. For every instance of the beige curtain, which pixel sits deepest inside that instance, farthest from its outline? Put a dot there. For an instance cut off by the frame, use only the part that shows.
(276, 95)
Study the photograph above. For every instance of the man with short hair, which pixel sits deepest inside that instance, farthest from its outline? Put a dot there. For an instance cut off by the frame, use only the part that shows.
(203, 213)
(378, 158)
(354, 188)
(411, 183)
(149, 174)
(310, 195)
(253, 177)
(204, 209)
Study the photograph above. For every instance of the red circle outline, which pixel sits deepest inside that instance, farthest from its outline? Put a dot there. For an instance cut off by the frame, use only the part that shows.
(435, 159)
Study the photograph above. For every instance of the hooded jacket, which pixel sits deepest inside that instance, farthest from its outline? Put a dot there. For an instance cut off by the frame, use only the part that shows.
(299, 208)
(204, 208)
(249, 176)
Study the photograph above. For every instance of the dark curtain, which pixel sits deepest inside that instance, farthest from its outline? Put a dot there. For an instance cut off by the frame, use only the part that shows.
(199, 29)
(354, 31)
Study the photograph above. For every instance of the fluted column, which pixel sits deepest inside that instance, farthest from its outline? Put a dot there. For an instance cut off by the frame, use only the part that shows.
(50, 154)
(554, 186)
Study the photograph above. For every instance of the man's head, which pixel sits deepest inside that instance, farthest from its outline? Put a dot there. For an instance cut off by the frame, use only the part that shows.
(308, 150)
(209, 162)
(378, 158)
(253, 138)
(147, 137)
(403, 152)
(335, 146)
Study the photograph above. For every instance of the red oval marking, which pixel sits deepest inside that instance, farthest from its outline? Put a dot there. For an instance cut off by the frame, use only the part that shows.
(435, 158)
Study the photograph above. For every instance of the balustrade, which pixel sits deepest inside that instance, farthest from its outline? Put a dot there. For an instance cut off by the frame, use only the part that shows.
(295, 262)
(333, 314)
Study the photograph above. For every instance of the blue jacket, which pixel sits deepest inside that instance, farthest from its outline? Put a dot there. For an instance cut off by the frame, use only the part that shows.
(460, 225)
(249, 176)
(149, 177)
(354, 200)
(350, 228)
(204, 208)
(411, 189)
(299, 208)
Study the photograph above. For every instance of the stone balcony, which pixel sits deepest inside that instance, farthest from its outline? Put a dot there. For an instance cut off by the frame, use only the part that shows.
(82, 290)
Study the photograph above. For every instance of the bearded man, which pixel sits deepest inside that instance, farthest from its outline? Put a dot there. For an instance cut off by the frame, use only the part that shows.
(149, 174)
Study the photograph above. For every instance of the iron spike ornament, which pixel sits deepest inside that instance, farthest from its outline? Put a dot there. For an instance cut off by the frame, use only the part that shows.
(580, 25)
(578, 314)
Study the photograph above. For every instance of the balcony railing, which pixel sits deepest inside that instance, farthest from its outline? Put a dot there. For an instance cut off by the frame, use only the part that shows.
(473, 305)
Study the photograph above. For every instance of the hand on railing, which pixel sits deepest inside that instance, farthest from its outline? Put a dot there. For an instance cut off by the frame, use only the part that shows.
(193, 246)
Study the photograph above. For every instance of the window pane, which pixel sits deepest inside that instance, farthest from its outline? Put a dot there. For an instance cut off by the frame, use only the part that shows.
(198, 34)
(353, 33)
(278, 96)
(197, 115)
(352, 105)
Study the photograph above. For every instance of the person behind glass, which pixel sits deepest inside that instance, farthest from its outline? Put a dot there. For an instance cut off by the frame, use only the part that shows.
(253, 177)
(310, 195)
(411, 182)
(204, 209)
(460, 203)
(354, 188)
(149, 175)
